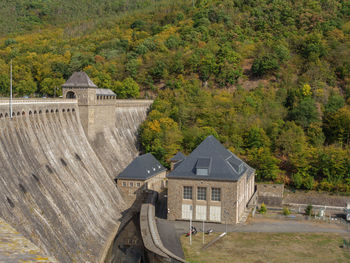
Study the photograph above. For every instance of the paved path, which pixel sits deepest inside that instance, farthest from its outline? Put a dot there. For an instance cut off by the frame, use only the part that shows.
(266, 225)
(169, 237)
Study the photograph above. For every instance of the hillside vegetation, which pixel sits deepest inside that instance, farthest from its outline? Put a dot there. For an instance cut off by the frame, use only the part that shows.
(269, 78)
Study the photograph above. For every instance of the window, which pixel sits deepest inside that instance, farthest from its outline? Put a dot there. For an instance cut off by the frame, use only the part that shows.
(187, 211)
(131, 184)
(216, 194)
(215, 213)
(187, 192)
(202, 193)
(138, 184)
(124, 183)
(201, 212)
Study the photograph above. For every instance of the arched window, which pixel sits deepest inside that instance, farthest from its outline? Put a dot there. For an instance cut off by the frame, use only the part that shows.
(30, 112)
(35, 112)
(6, 115)
(1, 115)
(63, 110)
(40, 111)
(23, 113)
(18, 113)
(56, 110)
(47, 111)
(73, 110)
(51, 110)
(70, 95)
(68, 110)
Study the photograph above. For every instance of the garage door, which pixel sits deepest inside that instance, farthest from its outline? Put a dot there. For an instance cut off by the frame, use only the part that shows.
(186, 211)
(215, 213)
(201, 212)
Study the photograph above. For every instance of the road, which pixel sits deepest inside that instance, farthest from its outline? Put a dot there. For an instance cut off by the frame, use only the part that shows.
(266, 225)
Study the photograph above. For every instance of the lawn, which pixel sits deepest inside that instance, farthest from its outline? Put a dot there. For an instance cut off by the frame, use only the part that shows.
(268, 248)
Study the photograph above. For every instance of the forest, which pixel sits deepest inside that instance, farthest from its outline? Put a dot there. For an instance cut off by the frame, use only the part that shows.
(269, 78)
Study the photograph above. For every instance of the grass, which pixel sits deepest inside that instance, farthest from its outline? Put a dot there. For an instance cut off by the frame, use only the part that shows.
(268, 248)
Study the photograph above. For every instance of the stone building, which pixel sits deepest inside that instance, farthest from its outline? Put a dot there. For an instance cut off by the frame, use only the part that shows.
(144, 172)
(210, 184)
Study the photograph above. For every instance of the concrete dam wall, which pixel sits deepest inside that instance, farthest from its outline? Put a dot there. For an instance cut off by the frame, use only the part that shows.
(53, 188)
(116, 145)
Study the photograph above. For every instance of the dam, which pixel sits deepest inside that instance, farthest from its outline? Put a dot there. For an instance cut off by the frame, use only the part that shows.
(57, 161)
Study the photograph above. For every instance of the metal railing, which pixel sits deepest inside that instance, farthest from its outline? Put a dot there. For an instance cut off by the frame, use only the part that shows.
(6, 102)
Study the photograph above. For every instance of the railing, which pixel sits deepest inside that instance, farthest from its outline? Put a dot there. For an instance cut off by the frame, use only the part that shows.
(6, 102)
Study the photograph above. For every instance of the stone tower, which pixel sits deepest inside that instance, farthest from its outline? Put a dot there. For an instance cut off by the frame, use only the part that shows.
(79, 86)
(96, 106)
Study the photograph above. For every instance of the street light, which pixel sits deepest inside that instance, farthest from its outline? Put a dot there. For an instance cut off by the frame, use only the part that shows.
(226, 214)
(191, 225)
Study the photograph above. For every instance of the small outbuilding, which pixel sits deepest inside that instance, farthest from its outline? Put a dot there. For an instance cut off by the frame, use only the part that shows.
(145, 172)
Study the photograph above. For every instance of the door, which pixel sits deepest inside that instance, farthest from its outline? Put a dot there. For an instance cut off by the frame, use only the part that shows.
(215, 213)
(186, 211)
(201, 212)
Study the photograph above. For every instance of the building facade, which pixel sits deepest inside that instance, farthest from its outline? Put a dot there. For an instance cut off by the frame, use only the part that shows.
(143, 173)
(211, 184)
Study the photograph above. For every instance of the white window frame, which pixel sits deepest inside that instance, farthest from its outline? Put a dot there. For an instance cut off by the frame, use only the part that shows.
(201, 212)
(215, 213)
(187, 211)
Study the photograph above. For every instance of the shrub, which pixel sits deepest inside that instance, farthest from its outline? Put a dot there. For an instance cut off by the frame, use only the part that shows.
(263, 209)
(309, 183)
(308, 210)
(264, 65)
(297, 180)
(286, 211)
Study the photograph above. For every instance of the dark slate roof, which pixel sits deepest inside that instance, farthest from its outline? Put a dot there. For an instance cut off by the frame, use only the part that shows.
(105, 92)
(178, 157)
(222, 164)
(142, 167)
(79, 80)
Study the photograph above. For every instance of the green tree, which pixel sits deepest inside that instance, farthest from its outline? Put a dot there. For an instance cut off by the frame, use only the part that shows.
(305, 113)
(264, 65)
(128, 88)
(265, 163)
(25, 87)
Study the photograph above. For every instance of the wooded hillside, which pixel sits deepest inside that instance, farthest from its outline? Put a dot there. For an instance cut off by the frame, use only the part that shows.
(269, 78)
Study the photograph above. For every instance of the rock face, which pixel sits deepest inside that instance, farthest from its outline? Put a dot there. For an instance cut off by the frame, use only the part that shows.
(53, 188)
(116, 145)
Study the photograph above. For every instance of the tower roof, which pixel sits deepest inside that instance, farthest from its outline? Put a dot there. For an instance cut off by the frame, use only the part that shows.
(79, 80)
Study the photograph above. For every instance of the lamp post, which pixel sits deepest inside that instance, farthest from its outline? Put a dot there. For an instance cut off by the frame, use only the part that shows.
(203, 230)
(11, 90)
(191, 225)
(226, 214)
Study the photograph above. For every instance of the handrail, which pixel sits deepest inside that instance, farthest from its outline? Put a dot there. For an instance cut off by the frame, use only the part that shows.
(38, 101)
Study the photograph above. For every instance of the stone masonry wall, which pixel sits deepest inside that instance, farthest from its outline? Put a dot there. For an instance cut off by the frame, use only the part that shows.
(227, 203)
(270, 194)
